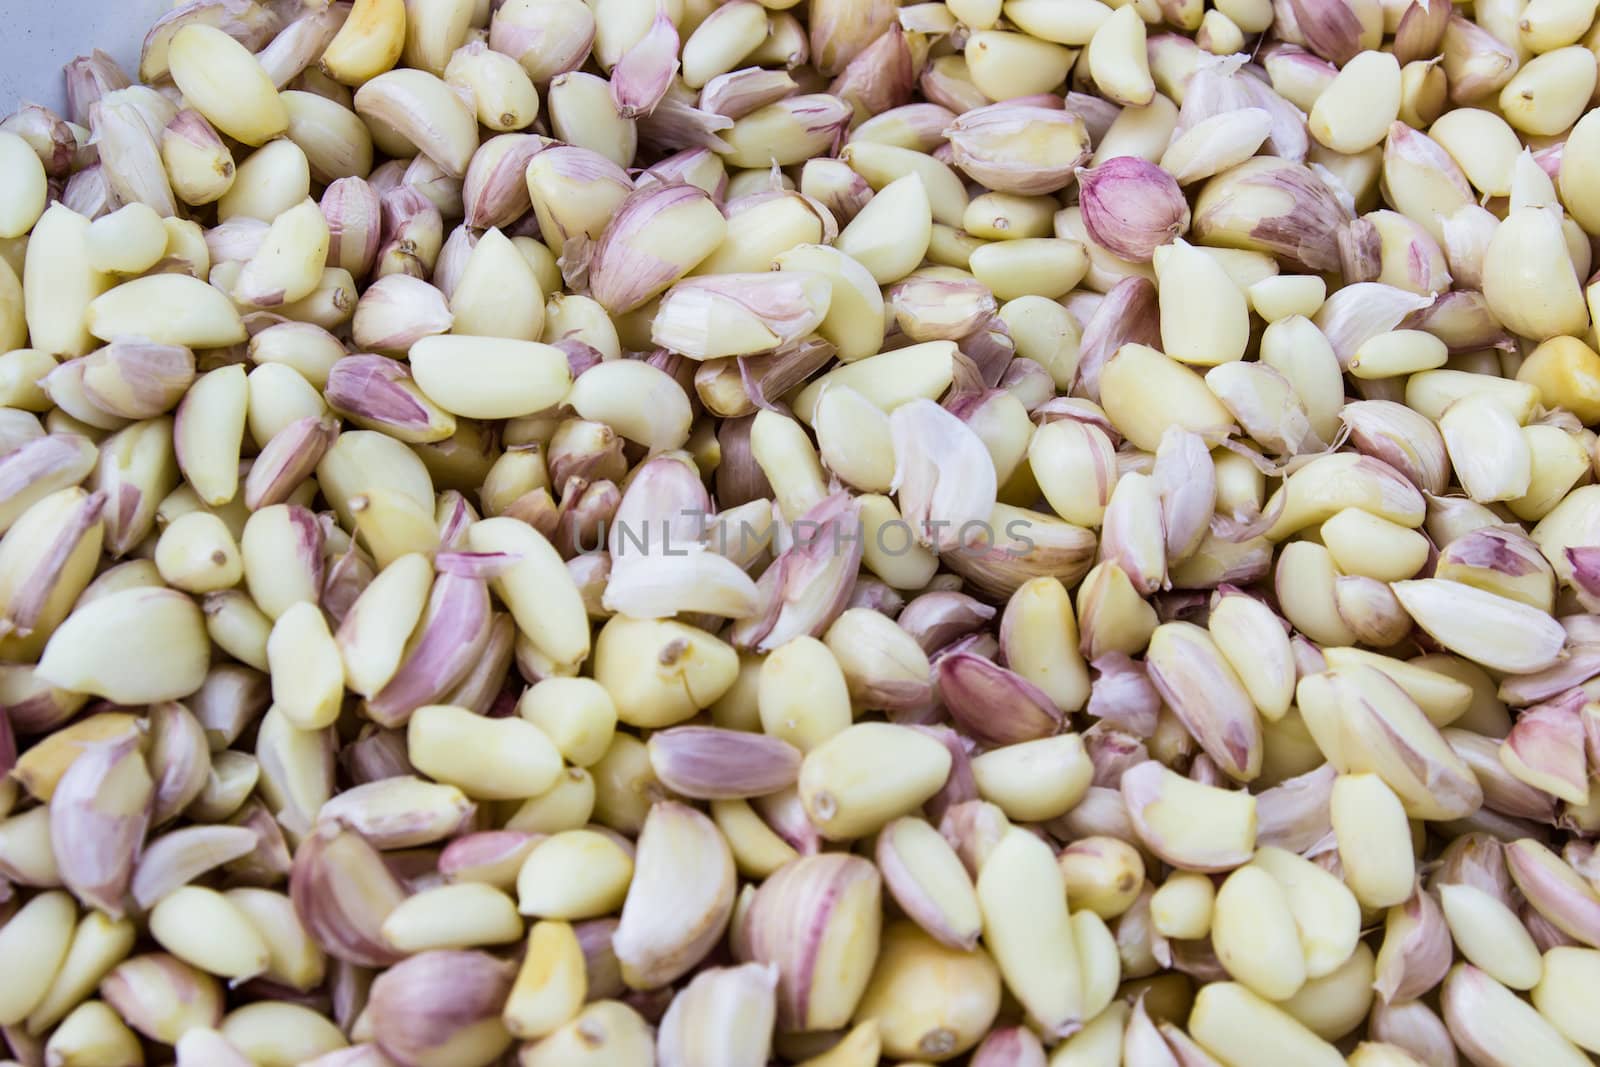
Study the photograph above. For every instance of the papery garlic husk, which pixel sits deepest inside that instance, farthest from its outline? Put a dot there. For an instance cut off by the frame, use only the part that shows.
(180, 856)
(1020, 149)
(657, 235)
(378, 393)
(134, 380)
(1190, 673)
(937, 618)
(924, 875)
(740, 314)
(441, 1007)
(1127, 315)
(494, 191)
(841, 29)
(127, 125)
(709, 763)
(89, 78)
(1294, 814)
(162, 997)
(939, 304)
(945, 480)
(1131, 206)
(883, 75)
(817, 919)
(993, 704)
(1404, 439)
(342, 892)
(809, 584)
(1266, 405)
(722, 1018)
(680, 899)
(98, 816)
(179, 759)
(1218, 86)
(355, 225)
(641, 77)
(396, 311)
(454, 629)
(1383, 731)
(1359, 312)
(1214, 144)
(1272, 205)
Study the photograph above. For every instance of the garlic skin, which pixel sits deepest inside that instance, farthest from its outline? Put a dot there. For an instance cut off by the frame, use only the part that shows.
(1131, 206)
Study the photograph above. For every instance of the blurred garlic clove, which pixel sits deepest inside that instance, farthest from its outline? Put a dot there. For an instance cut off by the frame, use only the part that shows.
(162, 997)
(179, 759)
(400, 812)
